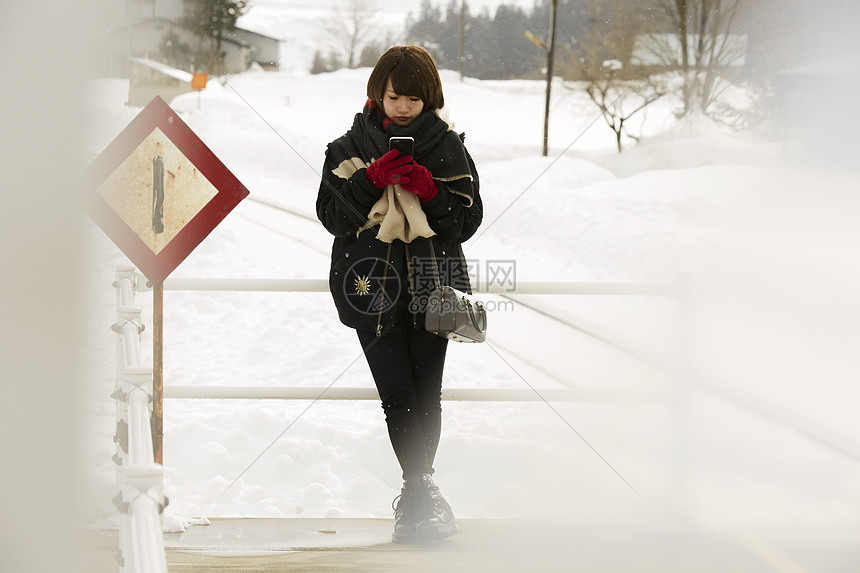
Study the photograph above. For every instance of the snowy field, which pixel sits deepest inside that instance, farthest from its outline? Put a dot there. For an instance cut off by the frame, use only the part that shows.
(744, 428)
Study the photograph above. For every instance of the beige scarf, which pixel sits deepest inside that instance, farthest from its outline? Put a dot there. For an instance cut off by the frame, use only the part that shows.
(399, 216)
(398, 212)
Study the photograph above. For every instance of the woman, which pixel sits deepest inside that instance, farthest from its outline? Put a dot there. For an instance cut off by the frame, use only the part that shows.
(398, 222)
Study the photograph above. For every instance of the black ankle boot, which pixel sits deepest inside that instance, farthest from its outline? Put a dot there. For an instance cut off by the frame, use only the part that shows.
(436, 520)
(406, 513)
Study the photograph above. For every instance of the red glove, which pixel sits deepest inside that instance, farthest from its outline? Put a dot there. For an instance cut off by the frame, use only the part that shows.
(420, 182)
(388, 169)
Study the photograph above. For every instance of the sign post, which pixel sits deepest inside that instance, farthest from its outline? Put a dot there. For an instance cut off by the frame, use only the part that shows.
(198, 84)
(158, 372)
(158, 191)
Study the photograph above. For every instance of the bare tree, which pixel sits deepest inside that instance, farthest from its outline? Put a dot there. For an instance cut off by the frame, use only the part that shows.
(619, 101)
(351, 28)
(618, 90)
(701, 49)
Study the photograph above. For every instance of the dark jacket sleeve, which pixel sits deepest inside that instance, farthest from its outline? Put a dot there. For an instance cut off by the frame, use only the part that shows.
(449, 212)
(343, 204)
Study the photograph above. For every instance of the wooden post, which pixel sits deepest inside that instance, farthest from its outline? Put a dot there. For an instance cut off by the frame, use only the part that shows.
(158, 371)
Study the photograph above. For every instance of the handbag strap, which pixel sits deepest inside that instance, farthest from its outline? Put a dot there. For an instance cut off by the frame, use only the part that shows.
(435, 266)
(436, 280)
(409, 270)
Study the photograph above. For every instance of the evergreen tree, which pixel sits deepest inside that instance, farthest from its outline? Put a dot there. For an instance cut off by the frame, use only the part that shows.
(320, 64)
(176, 52)
(323, 64)
(508, 52)
(496, 46)
(426, 29)
(210, 21)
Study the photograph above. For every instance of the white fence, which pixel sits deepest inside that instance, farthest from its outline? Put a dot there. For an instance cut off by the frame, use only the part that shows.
(141, 496)
(139, 479)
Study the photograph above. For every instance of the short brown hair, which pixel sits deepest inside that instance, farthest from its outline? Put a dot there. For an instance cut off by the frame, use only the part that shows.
(413, 73)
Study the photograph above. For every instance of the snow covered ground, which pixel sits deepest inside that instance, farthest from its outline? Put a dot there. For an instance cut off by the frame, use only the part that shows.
(765, 253)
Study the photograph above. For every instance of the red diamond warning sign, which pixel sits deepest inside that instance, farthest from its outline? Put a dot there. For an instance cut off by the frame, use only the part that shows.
(159, 191)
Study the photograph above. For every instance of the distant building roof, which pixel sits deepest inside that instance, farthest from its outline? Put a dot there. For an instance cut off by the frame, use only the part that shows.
(656, 49)
(256, 33)
(136, 24)
(152, 21)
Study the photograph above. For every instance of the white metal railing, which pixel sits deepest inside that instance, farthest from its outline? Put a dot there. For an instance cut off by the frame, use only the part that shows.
(454, 394)
(321, 285)
(139, 479)
(815, 432)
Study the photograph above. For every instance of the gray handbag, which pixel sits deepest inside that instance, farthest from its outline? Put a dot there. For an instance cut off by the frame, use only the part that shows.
(452, 314)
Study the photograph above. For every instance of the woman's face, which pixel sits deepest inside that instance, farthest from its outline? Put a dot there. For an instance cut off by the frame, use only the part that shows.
(400, 109)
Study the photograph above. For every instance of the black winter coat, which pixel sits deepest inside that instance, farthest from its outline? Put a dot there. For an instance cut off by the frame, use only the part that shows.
(374, 285)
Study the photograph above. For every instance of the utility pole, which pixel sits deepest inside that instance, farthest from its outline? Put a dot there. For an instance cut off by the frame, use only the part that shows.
(549, 59)
(462, 38)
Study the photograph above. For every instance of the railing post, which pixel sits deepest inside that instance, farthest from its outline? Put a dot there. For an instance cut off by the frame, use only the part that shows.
(130, 326)
(125, 278)
(124, 285)
(137, 387)
(145, 502)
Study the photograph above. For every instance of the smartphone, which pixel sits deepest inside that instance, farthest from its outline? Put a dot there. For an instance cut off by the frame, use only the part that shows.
(404, 145)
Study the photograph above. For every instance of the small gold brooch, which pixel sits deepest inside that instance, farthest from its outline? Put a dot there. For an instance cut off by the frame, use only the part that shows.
(362, 285)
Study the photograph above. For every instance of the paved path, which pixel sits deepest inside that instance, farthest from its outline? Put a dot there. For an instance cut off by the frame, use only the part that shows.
(497, 546)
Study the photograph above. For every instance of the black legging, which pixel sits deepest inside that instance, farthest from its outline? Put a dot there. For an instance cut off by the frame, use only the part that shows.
(407, 368)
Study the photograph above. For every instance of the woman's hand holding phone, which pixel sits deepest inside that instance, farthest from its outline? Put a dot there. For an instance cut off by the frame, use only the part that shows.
(388, 169)
(420, 183)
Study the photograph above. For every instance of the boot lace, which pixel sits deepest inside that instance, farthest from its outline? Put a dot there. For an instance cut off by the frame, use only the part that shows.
(438, 503)
(403, 504)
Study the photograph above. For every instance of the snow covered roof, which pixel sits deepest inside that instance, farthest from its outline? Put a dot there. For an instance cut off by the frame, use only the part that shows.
(163, 68)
